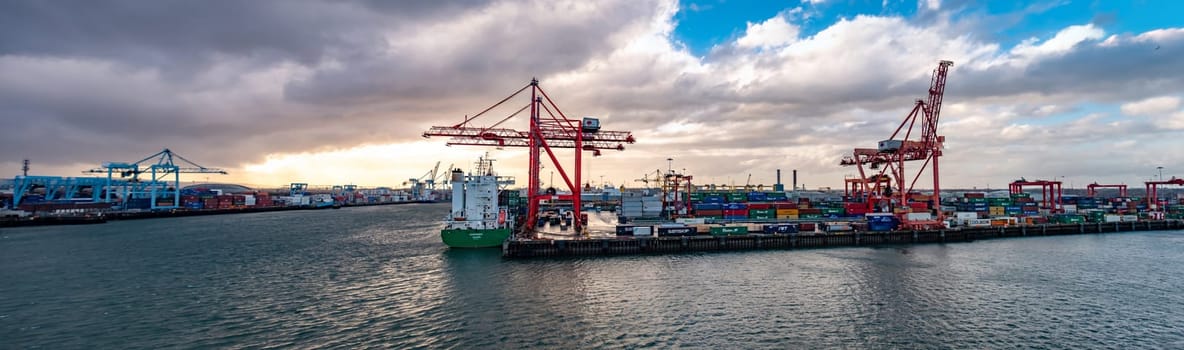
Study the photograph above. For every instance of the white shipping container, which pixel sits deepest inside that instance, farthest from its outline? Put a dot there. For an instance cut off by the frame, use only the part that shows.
(1129, 218)
(250, 202)
(1112, 218)
(918, 216)
(691, 221)
(643, 231)
(978, 222)
(966, 215)
(1070, 208)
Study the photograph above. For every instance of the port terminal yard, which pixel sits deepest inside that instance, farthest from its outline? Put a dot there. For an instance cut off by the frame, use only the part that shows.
(538, 248)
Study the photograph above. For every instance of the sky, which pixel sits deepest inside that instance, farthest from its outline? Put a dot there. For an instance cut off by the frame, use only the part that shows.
(340, 92)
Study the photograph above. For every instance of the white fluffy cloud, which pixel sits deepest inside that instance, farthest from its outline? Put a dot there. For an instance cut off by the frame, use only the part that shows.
(1152, 106)
(770, 33)
(350, 106)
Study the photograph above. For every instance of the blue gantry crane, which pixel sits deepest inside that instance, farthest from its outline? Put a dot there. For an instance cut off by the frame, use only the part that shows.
(159, 168)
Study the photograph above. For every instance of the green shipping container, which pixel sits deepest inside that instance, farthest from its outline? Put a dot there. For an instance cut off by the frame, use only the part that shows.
(809, 216)
(697, 196)
(729, 230)
(762, 212)
(833, 211)
(737, 197)
(976, 200)
(1021, 195)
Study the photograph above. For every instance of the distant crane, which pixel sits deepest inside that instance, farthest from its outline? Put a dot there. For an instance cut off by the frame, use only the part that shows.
(158, 166)
(548, 129)
(1051, 192)
(1091, 190)
(892, 153)
(1153, 191)
(645, 178)
(420, 186)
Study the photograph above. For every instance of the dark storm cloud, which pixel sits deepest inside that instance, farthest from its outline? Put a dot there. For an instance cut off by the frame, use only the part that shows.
(1130, 69)
(185, 33)
(229, 81)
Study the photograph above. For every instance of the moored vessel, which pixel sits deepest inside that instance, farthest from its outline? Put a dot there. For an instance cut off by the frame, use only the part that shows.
(476, 220)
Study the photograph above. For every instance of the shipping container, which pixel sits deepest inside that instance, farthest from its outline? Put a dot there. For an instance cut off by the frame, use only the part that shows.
(677, 231)
(780, 228)
(780, 212)
(728, 230)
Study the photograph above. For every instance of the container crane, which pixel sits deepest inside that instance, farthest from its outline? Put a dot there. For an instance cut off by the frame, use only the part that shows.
(676, 189)
(1091, 190)
(1050, 192)
(421, 185)
(645, 178)
(159, 166)
(549, 129)
(893, 152)
(1153, 191)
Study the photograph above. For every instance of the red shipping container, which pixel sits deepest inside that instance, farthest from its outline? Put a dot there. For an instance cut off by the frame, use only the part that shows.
(784, 205)
(736, 212)
(760, 206)
(210, 203)
(710, 212)
(975, 195)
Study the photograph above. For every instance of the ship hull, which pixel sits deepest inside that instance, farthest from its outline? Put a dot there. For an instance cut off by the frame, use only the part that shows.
(486, 238)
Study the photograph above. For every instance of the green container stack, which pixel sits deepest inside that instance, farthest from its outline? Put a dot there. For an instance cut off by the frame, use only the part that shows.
(833, 211)
(697, 196)
(998, 202)
(737, 197)
(762, 213)
(729, 230)
(1068, 219)
(1021, 195)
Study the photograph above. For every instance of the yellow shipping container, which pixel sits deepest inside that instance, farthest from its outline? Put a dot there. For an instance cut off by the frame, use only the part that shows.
(787, 212)
(787, 217)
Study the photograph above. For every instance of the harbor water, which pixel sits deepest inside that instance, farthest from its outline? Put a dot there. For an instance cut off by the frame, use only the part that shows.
(379, 277)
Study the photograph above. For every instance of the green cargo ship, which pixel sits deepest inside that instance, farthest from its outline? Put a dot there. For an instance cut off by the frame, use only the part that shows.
(476, 221)
(475, 238)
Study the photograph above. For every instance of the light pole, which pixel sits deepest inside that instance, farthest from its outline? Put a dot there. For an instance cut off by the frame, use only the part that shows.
(1160, 172)
(669, 165)
(552, 181)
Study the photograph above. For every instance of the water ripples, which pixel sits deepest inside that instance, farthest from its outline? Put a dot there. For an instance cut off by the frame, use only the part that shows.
(379, 277)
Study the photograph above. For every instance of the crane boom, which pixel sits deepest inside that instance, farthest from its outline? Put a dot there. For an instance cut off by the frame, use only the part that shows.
(903, 146)
(548, 129)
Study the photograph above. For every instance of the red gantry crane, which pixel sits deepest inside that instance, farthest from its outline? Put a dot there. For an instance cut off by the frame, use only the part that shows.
(549, 129)
(903, 146)
(1091, 190)
(1051, 192)
(1153, 191)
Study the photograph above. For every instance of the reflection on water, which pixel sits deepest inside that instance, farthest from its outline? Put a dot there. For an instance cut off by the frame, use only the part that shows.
(379, 277)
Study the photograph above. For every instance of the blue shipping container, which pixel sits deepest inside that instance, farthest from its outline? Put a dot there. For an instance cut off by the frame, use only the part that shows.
(735, 206)
(709, 206)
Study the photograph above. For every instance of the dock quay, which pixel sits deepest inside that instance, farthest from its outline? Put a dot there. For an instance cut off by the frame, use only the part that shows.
(529, 248)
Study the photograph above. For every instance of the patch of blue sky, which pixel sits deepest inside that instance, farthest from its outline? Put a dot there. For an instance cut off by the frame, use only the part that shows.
(1107, 112)
(703, 24)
